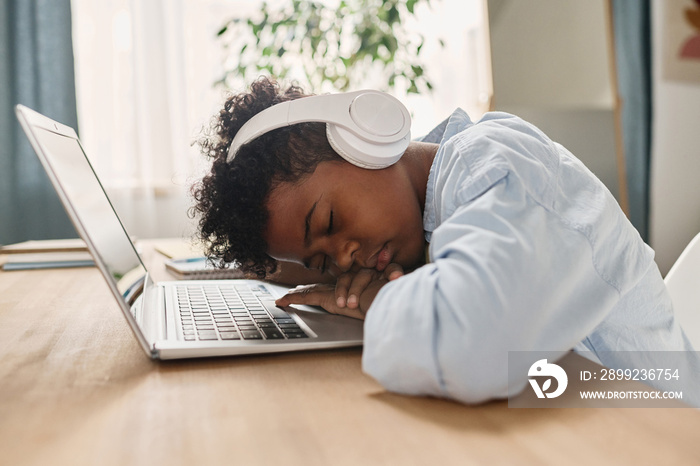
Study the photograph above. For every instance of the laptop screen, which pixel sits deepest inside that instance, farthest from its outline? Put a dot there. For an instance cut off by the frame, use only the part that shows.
(94, 211)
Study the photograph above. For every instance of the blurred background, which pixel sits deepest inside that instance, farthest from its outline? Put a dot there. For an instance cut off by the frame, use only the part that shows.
(615, 81)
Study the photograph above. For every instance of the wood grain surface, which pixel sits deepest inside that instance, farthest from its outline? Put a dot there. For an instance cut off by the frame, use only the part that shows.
(76, 389)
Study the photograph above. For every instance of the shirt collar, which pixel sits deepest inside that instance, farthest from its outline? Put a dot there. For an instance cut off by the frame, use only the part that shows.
(457, 122)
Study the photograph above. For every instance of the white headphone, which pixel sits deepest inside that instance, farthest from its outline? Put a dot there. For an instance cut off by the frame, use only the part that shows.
(370, 129)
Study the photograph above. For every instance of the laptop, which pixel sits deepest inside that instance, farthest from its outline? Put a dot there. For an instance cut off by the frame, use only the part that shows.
(175, 319)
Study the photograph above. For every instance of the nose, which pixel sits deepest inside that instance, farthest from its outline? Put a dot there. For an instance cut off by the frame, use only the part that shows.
(344, 256)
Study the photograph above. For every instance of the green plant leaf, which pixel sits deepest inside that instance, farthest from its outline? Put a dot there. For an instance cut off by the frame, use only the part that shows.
(410, 5)
(331, 46)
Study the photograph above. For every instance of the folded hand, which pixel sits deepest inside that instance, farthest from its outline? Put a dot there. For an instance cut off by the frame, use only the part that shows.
(352, 294)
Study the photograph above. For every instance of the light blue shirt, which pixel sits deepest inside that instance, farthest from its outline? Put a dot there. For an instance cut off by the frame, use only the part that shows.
(528, 252)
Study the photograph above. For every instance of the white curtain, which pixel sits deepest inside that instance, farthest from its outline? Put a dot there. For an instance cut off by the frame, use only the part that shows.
(145, 73)
(144, 79)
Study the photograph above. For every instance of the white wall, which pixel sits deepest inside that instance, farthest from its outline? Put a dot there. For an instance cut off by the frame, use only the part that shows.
(550, 53)
(675, 174)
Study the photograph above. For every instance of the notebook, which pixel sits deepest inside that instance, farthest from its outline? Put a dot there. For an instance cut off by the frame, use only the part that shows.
(180, 318)
(199, 268)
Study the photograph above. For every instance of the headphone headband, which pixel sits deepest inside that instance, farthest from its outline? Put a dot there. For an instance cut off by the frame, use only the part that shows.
(368, 128)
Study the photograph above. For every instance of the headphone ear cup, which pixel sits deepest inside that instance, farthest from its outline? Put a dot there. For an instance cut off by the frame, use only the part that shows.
(362, 153)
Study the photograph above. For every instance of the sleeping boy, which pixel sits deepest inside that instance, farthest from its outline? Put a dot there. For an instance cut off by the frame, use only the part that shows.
(482, 238)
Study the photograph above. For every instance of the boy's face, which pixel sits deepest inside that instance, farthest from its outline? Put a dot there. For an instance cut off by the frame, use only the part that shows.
(345, 217)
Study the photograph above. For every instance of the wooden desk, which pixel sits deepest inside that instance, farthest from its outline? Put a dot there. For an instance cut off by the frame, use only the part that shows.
(76, 389)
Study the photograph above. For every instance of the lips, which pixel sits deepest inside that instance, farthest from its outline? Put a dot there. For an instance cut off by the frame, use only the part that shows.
(383, 258)
(380, 259)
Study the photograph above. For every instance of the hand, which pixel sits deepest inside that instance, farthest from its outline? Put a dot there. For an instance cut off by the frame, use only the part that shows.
(350, 285)
(363, 286)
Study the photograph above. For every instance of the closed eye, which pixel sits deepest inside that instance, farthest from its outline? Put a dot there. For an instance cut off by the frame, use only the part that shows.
(329, 231)
(330, 224)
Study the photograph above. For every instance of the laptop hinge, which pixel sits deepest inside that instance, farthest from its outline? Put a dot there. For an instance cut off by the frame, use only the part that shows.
(153, 313)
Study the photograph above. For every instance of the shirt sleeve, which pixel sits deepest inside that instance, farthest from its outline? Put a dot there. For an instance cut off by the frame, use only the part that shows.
(507, 274)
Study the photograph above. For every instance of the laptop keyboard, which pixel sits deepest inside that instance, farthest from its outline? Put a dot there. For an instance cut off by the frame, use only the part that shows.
(232, 312)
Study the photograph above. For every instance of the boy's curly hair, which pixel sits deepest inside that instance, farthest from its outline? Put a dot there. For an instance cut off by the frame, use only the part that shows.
(230, 201)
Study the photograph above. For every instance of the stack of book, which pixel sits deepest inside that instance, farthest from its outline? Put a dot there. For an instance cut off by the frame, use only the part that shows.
(46, 254)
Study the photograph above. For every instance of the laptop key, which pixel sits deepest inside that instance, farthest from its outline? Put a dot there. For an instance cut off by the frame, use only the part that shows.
(284, 320)
(276, 312)
(230, 336)
(289, 326)
(272, 334)
(292, 330)
(209, 337)
(251, 334)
